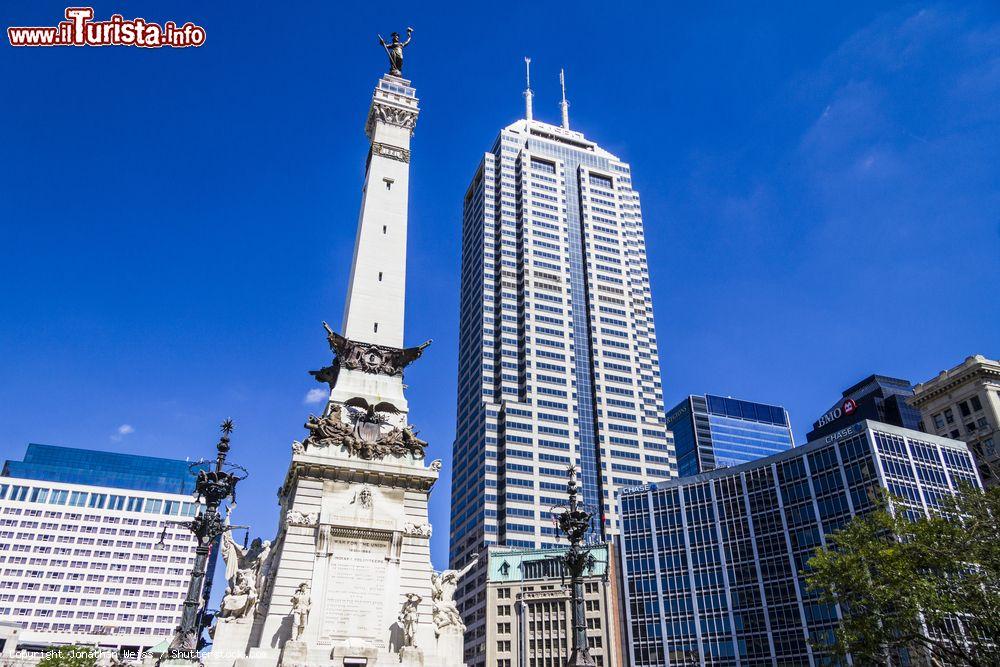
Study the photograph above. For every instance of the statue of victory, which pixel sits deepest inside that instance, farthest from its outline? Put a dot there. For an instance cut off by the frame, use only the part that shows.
(394, 49)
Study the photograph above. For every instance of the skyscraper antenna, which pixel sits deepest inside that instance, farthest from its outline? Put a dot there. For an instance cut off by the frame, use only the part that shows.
(527, 91)
(564, 105)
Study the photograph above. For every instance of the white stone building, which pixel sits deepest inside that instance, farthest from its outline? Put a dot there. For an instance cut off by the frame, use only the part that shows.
(558, 359)
(81, 556)
(963, 403)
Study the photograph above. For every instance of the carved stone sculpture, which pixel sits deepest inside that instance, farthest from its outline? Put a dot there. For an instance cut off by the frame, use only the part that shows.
(329, 431)
(367, 357)
(436, 465)
(300, 611)
(297, 518)
(245, 571)
(298, 447)
(368, 437)
(240, 599)
(443, 587)
(409, 617)
(417, 529)
(364, 497)
(394, 49)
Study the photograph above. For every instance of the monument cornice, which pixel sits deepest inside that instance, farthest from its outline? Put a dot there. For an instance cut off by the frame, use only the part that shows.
(358, 471)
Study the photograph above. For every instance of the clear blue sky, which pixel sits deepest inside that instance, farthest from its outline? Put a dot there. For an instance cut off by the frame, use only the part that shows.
(819, 185)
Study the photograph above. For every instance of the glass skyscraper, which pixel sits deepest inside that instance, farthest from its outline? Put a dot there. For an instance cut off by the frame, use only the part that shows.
(715, 432)
(90, 547)
(89, 466)
(557, 348)
(711, 563)
(877, 397)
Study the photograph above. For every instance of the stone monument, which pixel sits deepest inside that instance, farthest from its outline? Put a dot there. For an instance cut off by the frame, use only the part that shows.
(348, 578)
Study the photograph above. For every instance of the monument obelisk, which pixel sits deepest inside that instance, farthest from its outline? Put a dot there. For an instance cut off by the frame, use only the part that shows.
(348, 580)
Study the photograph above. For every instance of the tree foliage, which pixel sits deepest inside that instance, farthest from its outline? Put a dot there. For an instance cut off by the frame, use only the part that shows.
(929, 588)
(70, 656)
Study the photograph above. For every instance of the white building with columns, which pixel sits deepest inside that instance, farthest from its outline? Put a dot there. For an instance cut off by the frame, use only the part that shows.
(963, 403)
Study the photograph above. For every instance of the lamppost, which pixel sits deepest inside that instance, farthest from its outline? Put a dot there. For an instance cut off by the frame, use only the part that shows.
(573, 520)
(211, 488)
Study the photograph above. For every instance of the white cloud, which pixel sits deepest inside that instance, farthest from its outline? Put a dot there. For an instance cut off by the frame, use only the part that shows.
(121, 432)
(315, 396)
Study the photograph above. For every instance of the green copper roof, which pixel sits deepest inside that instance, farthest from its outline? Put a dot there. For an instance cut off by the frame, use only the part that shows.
(510, 564)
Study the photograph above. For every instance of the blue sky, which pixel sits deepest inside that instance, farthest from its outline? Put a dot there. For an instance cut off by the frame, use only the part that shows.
(819, 185)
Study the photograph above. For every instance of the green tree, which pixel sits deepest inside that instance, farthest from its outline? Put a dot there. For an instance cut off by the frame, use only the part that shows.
(926, 587)
(70, 656)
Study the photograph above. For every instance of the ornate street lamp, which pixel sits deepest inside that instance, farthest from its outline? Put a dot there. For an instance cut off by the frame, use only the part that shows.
(212, 487)
(573, 520)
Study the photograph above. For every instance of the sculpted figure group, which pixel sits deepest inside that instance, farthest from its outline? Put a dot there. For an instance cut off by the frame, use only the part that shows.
(246, 574)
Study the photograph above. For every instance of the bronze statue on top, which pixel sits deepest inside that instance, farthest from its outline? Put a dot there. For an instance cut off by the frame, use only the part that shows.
(394, 49)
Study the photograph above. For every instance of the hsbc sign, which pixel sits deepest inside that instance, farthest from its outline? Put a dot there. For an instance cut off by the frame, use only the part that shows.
(845, 409)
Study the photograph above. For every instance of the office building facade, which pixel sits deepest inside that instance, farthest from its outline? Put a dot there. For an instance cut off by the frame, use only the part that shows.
(711, 563)
(528, 612)
(964, 403)
(81, 552)
(558, 360)
(712, 432)
(878, 397)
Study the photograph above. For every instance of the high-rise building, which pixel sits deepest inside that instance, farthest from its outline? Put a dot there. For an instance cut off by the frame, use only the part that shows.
(964, 403)
(89, 549)
(528, 608)
(557, 348)
(715, 432)
(877, 397)
(711, 563)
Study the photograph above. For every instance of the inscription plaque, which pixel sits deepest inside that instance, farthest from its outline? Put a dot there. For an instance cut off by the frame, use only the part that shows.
(356, 589)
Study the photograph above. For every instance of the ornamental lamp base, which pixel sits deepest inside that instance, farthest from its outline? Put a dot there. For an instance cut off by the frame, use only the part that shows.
(580, 658)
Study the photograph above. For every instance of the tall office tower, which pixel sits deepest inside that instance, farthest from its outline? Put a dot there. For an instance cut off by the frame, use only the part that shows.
(964, 403)
(88, 550)
(877, 397)
(716, 432)
(557, 348)
(712, 565)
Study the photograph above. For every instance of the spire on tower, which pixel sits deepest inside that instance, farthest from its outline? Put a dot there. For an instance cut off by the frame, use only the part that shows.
(527, 91)
(564, 105)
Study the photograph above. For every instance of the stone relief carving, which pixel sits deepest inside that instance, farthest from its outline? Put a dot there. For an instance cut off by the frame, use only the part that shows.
(436, 465)
(417, 529)
(367, 357)
(368, 437)
(364, 497)
(329, 430)
(445, 612)
(297, 518)
(391, 152)
(300, 611)
(298, 447)
(392, 115)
